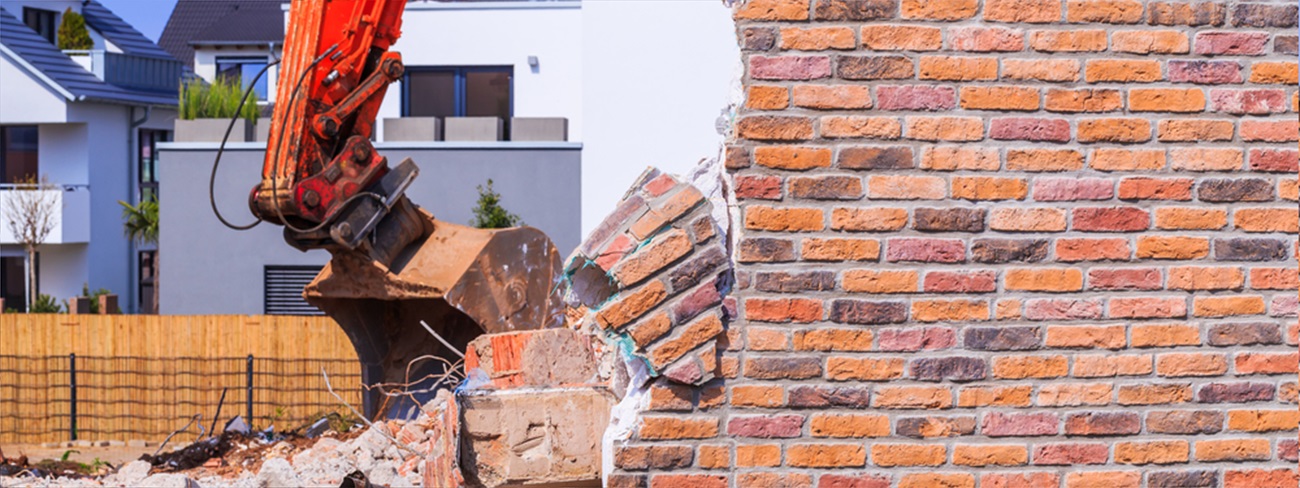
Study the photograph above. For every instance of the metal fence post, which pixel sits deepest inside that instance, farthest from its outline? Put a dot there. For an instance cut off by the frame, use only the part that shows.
(72, 395)
(249, 395)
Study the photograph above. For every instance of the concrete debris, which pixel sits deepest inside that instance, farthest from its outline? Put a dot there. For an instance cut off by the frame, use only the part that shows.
(527, 436)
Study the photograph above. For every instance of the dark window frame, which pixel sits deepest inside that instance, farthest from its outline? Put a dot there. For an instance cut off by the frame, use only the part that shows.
(149, 138)
(49, 19)
(4, 138)
(143, 258)
(460, 73)
(242, 60)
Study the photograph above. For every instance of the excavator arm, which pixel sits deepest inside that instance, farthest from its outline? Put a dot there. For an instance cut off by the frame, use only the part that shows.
(393, 264)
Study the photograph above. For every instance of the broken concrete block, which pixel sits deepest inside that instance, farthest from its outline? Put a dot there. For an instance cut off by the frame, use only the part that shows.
(534, 437)
(534, 358)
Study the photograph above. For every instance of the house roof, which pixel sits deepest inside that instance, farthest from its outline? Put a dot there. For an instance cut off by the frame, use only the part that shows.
(197, 22)
(119, 32)
(58, 71)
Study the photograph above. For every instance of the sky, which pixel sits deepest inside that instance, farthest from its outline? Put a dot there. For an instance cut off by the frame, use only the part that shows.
(147, 16)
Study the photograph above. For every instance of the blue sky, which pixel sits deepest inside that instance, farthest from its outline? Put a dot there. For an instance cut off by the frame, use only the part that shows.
(148, 16)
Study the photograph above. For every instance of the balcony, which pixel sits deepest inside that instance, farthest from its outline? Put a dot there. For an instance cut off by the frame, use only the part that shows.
(131, 71)
(71, 217)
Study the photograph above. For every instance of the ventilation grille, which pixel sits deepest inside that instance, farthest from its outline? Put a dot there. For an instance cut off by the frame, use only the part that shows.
(282, 290)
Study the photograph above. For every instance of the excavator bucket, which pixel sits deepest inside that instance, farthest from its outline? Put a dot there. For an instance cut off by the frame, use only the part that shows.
(461, 281)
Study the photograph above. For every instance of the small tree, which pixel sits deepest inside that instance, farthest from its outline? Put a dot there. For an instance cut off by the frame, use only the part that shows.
(72, 32)
(489, 214)
(31, 213)
(141, 225)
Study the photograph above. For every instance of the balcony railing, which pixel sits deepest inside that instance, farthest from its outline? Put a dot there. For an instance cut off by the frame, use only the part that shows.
(131, 71)
(71, 205)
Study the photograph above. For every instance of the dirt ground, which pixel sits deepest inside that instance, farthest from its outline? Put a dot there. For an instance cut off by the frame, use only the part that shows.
(116, 455)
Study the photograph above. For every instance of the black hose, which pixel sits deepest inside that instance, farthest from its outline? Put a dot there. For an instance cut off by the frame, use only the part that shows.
(212, 179)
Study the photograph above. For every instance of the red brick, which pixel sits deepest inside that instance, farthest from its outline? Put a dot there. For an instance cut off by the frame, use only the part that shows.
(1124, 279)
(986, 39)
(1072, 250)
(832, 97)
(1111, 219)
(789, 67)
(1231, 43)
(922, 98)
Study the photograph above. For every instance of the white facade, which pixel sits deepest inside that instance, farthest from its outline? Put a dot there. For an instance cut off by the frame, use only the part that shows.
(88, 149)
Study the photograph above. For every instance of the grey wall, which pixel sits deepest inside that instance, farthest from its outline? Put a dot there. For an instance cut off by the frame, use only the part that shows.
(208, 269)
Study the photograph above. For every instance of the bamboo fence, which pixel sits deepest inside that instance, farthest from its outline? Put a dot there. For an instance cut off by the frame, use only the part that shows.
(144, 376)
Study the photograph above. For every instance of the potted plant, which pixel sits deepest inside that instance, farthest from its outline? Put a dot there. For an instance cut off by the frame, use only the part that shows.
(206, 109)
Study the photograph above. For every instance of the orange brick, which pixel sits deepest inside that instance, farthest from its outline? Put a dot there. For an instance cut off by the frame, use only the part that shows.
(1166, 100)
(912, 397)
(1122, 71)
(931, 480)
(1150, 42)
(892, 455)
(989, 188)
(825, 455)
(1022, 367)
(1087, 100)
(1274, 279)
(1052, 70)
(999, 98)
(1263, 420)
(1044, 279)
(951, 129)
(666, 428)
(958, 69)
(872, 281)
(766, 339)
(953, 158)
(1114, 130)
(877, 219)
(1206, 159)
(1030, 11)
(999, 396)
(1044, 160)
(1180, 218)
(758, 456)
(1108, 365)
(758, 396)
(1279, 73)
(1193, 130)
(1110, 159)
(1233, 450)
(1191, 364)
(798, 310)
(1104, 11)
(950, 310)
(1157, 452)
(792, 157)
(833, 340)
(1103, 479)
(1086, 336)
(1165, 335)
(989, 455)
(714, 457)
(1155, 394)
(1288, 189)
(1205, 278)
(849, 425)
(1172, 247)
(1072, 250)
(1068, 41)
(817, 39)
(762, 97)
(1012, 219)
(947, 10)
(774, 128)
(759, 217)
(907, 188)
(774, 10)
(901, 38)
(837, 249)
(841, 368)
(824, 97)
(1074, 394)
(838, 127)
(1267, 220)
(1228, 306)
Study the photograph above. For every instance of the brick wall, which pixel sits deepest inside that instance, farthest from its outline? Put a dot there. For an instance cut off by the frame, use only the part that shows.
(1003, 243)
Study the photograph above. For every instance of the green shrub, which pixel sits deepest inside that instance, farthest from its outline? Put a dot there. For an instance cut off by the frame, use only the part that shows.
(217, 100)
(489, 214)
(46, 304)
(73, 34)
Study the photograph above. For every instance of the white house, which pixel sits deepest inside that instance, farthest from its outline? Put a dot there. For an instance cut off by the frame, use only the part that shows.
(89, 121)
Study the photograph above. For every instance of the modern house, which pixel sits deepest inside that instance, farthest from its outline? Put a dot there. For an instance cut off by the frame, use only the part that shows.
(626, 103)
(88, 122)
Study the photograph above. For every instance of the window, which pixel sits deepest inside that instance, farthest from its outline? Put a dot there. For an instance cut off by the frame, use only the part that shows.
(148, 158)
(480, 91)
(18, 153)
(282, 290)
(13, 281)
(145, 290)
(41, 21)
(244, 70)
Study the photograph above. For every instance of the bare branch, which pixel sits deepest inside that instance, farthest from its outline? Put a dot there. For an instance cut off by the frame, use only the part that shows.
(363, 418)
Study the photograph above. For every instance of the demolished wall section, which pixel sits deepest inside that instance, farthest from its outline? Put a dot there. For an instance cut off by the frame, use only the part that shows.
(1004, 243)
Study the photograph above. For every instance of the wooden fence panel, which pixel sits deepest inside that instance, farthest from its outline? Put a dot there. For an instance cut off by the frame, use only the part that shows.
(142, 376)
